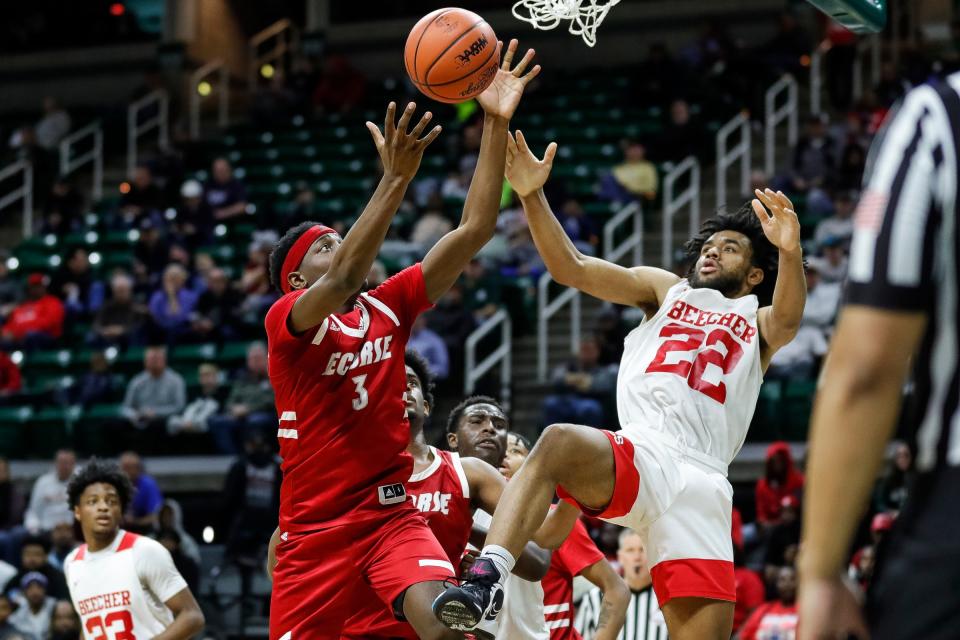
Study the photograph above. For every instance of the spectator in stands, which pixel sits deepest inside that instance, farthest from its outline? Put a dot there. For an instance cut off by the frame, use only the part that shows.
(797, 360)
(784, 51)
(840, 224)
(750, 589)
(682, 136)
(96, 385)
(581, 388)
(853, 162)
(780, 479)
(224, 194)
(33, 559)
(74, 283)
(634, 179)
(784, 539)
(216, 315)
(171, 518)
(187, 566)
(172, 305)
(142, 514)
(249, 406)
(429, 228)
(377, 275)
(892, 85)
(194, 222)
(892, 489)
(62, 209)
(11, 516)
(776, 619)
(64, 623)
(272, 102)
(7, 609)
(861, 571)
(151, 249)
(431, 346)
(211, 398)
(834, 263)
(11, 290)
(610, 334)
(579, 227)
(522, 257)
(48, 499)
(33, 615)
(255, 284)
(341, 87)
(143, 198)
(153, 395)
(813, 159)
(120, 319)
(10, 379)
(251, 498)
(481, 290)
(451, 320)
(823, 298)
(37, 322)
(62, 542)
(53, 126)
(656, 78)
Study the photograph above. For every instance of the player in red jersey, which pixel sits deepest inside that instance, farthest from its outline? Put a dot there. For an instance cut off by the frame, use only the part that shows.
(339, 379)
(577, 556)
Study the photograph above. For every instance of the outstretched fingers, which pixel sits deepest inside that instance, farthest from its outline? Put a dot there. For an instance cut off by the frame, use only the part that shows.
(524, 63)
(375, 134)
(389, 121)
(508, 56)
(405, 117)
(425, 141)
(550, 154)
(424, 120)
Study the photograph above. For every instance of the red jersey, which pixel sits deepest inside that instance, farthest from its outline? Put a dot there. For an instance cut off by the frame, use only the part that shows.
(771, 621)
(575, 554)
(442, 494)
(339, 390)
(44, 315)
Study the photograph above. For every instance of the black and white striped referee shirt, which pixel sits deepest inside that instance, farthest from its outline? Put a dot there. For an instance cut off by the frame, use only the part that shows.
(905, 253)
(644, 619)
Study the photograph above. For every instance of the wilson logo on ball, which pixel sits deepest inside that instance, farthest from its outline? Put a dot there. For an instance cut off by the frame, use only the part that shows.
(479, 45)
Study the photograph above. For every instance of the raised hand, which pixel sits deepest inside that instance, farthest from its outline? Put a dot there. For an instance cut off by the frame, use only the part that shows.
(503, 95)
(399, 150)
(525, 172)
(780, 225)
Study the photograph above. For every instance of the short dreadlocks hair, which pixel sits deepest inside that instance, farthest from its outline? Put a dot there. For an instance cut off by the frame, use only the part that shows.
(764, 255)
(100, 471)
(282, 248)
(420, 367)
(454, 418)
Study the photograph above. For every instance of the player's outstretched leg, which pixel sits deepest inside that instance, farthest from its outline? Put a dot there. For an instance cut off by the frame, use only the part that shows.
(581, 460)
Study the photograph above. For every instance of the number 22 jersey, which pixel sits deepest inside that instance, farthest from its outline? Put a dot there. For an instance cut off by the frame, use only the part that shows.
(339, 389)
(692, 371)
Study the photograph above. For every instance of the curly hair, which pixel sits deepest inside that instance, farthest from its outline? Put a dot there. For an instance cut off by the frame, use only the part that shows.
(763, 256)
(282, 248)
(100, 471)
(454, 418)
(522, 440)
(420, 367)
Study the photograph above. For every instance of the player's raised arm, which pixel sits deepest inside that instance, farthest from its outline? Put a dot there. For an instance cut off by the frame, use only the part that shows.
(643, 287)
(400, 152)
(779, 322)
(445, 262)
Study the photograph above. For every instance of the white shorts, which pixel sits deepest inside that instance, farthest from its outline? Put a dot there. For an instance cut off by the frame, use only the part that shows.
(681, 504)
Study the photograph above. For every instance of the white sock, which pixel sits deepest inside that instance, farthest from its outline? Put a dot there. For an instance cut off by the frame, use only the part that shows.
(502, 559)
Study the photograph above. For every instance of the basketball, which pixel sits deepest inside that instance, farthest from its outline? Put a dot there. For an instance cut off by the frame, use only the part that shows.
(451, 55)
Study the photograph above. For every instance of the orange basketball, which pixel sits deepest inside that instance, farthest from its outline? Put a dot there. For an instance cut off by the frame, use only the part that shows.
(451, 55)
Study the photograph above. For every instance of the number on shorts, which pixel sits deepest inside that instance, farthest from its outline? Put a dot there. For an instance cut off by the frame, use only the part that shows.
(98, 626)
(722, 350)
(361, 400)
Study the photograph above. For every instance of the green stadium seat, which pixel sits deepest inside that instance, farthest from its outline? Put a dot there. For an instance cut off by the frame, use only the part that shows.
(768, 418)
(13, 441)
(193, 354)
(797, 406)
(50, 429)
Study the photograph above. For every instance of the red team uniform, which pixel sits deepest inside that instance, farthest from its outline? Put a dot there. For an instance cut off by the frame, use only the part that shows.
(345, 519)
(442, 494)
(575, 554)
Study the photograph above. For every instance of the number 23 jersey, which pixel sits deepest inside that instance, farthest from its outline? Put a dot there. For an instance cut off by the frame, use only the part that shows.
(693, 372)
(339, 388)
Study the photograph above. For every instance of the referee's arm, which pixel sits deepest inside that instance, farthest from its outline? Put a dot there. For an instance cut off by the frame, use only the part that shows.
(859, 397)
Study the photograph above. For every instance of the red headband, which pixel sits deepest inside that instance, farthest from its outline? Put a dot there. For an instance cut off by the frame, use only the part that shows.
(298, 250)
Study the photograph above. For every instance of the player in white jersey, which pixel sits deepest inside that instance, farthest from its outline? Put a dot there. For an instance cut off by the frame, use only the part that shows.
(123, 586)
(687, 389)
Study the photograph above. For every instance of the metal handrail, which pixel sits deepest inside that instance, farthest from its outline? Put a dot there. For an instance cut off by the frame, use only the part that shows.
(224, 89)
(726, 157)
(159, 122)
(287, 39)
(611, 252)
(866, 46)
(547, 309)
(774, 115)
(95, 156)
(473, 372)
(672, 203)
(24, 192)
(816, 78)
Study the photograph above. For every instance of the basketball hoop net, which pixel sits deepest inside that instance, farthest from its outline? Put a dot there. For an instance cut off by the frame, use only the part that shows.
(586, 15)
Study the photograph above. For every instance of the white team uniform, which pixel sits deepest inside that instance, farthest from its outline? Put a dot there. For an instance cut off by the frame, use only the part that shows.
(119, 592)
(687, 389)
(522, 616)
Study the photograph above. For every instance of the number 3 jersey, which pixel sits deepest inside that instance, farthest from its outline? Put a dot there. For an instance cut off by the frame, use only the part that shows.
(692, 371)
(120, 591)
(339, 389)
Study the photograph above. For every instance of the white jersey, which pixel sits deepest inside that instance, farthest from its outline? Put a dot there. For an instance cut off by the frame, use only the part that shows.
(692, 372)
(522, 616)
(120, 591)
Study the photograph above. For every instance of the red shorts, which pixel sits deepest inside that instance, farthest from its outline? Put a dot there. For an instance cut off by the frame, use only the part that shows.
(626, 483)
(319, 578)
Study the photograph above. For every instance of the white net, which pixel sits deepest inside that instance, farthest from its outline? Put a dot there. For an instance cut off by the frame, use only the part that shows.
(585, 15)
